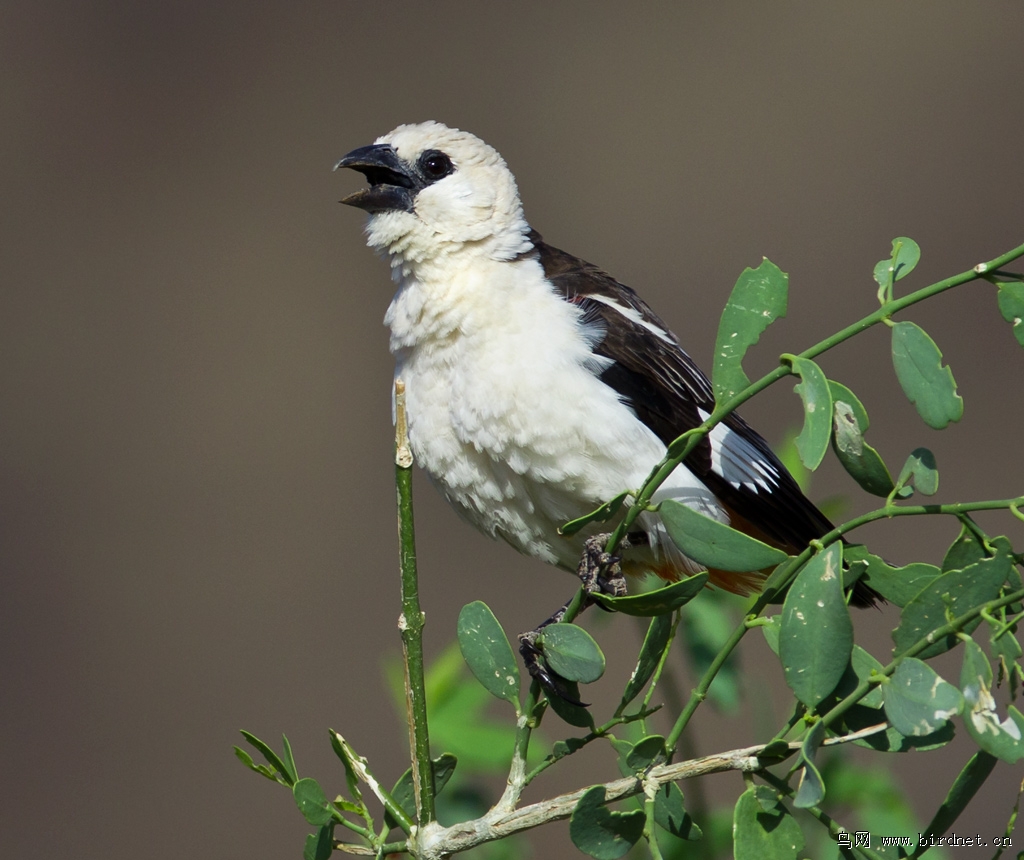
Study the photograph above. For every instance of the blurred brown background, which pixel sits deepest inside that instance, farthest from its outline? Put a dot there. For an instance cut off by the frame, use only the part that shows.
(196, 499)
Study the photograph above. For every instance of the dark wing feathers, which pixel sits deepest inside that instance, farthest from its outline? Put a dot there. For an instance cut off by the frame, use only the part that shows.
(652, 373)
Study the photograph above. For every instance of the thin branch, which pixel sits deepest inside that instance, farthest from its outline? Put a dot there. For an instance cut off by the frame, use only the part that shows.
(411, 621)
(435, 842)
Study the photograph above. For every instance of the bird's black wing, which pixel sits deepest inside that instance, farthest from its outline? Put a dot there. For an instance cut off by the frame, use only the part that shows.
(654, 376)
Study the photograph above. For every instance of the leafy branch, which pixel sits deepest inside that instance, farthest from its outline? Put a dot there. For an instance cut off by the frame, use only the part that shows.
(842, 693)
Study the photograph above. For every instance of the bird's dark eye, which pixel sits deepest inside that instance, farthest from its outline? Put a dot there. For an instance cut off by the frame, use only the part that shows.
(435, 164)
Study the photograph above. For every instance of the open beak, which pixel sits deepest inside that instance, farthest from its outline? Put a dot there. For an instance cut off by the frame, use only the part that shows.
(391, 185)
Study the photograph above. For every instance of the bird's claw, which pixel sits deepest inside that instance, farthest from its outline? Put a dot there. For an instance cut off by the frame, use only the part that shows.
(550, 681)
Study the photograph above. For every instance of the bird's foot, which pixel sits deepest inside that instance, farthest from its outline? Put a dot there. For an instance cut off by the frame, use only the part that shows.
(600, 571)
(550, 681)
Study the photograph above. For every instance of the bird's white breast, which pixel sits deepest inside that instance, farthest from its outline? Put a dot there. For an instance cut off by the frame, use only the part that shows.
(505, 411)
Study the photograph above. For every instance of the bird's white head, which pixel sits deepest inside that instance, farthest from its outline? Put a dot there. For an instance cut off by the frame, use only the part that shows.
(436, 191)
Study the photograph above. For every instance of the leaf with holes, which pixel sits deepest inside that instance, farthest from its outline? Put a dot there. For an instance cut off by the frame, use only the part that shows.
(813, 388)
(758, 299)
(928, 384)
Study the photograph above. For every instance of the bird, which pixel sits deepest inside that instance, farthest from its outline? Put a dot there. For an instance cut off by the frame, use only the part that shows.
(538, 386)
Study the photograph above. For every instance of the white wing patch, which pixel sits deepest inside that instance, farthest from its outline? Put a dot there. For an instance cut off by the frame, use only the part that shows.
(738, 461)
(634, 317)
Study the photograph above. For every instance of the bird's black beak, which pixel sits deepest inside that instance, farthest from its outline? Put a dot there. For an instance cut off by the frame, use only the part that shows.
(391, 184)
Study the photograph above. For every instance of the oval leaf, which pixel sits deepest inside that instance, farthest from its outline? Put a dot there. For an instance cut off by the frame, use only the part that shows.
(956, 592)
(758, 299)
(1011, 306)
(813, 388)
(759, 834)
(661, 601)
(861, 461)
(486, 651)
(815, 633)
(918, 701)
(572, 653)
(601, 833)
(927, 383)
(312, 802)
(714, 544)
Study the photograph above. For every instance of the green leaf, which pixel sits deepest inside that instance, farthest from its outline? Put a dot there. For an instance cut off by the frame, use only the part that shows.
(816, 634)
(920, 472)
(770, 631)
(758, 834)
(646, 752)
(905, 256)
(810, 789)
(404, 792)
(659, 634)
(862, 664)
(661, 601)
(288, 760)
(312, 802)
(319, 845)
(272, 757)
(1003, 739)
(861, 461)
(670, 813)
(572, 653)
(964, 551)
(890, 740)
(486, 651)
(574, 715)
(917, 700)
(898, 585)
(1011, 306)
(964, 787)
(757, 300)
(714, 544)
(600, 515)
(601, 833)
(261, 769)
(927, 383)
(954, 593)
(813, 388)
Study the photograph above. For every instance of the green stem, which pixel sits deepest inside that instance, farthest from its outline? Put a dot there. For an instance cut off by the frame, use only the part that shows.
(412, 621)
(773, 588)
(682, 447)
(834, 828)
